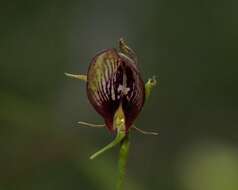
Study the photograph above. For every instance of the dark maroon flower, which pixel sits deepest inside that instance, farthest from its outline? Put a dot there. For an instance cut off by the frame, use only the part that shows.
(117, 92)
(114, 80)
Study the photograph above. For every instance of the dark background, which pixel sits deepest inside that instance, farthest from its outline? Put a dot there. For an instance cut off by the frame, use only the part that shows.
(190, 45)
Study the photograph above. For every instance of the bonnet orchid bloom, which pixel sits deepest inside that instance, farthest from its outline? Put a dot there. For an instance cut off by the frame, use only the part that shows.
(116, 90)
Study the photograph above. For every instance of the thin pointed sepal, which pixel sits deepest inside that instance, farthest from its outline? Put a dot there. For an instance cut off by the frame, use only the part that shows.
(92, 125)
(117, 140)
(144, 132)
(80, 77)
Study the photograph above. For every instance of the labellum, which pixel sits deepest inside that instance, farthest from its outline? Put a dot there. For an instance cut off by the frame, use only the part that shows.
(114, 83)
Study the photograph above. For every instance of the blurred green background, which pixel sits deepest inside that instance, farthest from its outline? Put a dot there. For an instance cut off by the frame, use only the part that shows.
(190, 45)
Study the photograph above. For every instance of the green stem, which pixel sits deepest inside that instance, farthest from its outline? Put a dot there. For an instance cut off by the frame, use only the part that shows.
(124, 150)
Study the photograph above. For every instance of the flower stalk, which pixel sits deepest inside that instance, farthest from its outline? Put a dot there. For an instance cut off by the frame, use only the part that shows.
(122, 161)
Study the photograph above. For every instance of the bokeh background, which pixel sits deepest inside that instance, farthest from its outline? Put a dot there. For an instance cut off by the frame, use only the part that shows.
(190, 45)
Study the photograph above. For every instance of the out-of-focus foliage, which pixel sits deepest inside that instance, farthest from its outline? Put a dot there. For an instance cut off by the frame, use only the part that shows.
(190, 45)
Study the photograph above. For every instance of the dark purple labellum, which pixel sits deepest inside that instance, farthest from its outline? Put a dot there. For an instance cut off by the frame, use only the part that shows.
(113, 79)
